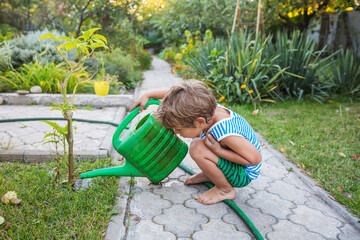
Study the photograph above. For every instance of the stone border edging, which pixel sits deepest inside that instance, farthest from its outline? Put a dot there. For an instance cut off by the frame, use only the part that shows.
(79, 100)
(322, 194)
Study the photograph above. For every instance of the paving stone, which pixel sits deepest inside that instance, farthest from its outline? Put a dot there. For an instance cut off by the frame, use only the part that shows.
(262, 222)
(177, 173)
(315, 221)
(243, 194)
(214, 211)
(176, 191)
(292, 178)
(261, 183)
(180, 220)
(146, 205)
(349, 233)
(271, 204)
(145, 184)
(216, 230)
(272, 171)
(288, 230)
(318, 204)
(288, 192)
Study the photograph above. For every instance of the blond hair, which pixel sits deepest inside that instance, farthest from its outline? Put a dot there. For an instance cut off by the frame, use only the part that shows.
(184, 103)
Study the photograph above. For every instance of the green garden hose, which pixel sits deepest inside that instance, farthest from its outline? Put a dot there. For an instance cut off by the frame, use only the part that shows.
(58, 119)
(239, 212)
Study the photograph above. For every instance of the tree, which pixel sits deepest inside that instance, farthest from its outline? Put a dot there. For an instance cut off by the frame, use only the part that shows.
(297, 14)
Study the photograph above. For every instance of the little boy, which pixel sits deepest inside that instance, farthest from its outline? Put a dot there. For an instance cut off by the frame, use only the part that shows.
(224, 145)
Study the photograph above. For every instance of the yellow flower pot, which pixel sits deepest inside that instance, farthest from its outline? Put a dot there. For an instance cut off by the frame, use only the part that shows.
(101, 88)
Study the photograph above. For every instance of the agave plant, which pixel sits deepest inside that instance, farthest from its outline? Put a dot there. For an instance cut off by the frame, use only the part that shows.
(303, 65)
(237, 68)
(343, 74)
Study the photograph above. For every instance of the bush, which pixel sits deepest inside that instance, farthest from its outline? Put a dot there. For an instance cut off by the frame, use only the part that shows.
(343, 75)
(27, 48)
(303, 64)
(143, 57)
(48, 76)
(179, 16)
(124, 66)
(236, 69)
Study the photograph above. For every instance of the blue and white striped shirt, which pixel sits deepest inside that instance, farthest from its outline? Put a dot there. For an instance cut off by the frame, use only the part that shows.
(236, 125)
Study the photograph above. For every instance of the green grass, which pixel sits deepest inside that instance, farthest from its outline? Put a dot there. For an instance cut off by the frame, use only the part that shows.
(51, 210)
(325, 138)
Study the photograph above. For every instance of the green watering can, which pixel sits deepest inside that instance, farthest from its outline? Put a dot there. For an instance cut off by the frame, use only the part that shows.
(150, 150)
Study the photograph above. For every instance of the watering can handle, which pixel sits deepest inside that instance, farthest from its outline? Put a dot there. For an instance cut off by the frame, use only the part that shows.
(128, 119)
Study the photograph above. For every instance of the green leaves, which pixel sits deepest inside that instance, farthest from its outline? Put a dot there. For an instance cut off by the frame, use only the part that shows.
(237, 68)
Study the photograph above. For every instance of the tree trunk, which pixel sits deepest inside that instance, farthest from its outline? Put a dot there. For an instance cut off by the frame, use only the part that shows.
(70, 140)
(324, 30)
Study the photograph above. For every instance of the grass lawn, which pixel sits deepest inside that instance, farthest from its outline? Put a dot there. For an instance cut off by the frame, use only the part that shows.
(51, 210)
(323, 140)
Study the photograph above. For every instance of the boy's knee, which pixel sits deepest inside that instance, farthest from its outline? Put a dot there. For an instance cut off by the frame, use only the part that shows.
(196, 147)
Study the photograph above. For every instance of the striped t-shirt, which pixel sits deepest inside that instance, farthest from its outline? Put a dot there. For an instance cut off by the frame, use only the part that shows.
(235, 125)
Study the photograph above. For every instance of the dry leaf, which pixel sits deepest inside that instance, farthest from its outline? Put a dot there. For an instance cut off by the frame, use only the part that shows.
(136, 218)
(341, 154)
(263, 145)
(17, 201)
(340, 189)
(2, 220)
(347, 195)
(355, 157)
(9, 197)
(283, 150)
(332, 131)
(255, 112)
(331, 197)
(8, 226)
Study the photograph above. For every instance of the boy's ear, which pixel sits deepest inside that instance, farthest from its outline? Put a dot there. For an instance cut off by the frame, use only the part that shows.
(200, 122)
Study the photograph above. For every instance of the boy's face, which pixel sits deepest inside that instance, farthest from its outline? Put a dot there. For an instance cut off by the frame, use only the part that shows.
(192, 132)
(189, 132)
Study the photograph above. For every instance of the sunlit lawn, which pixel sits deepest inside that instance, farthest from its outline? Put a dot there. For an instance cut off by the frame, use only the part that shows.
(322, 139)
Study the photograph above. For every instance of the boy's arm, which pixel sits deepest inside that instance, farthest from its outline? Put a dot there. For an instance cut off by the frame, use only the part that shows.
(240, 150)
(141, 101)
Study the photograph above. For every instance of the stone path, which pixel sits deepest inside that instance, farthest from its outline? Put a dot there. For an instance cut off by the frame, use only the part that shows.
(282, 203)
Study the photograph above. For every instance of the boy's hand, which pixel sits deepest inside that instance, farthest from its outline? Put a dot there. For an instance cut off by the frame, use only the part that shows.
(141, 101)
(212, 144)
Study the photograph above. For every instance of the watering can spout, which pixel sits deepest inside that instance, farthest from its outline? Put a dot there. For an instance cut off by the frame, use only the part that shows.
(125, 170)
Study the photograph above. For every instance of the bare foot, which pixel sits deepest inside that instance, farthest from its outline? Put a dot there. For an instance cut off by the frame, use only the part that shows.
(215, 195)
(197, 178)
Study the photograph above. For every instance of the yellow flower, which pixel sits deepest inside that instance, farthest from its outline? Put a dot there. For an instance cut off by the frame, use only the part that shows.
(221, 99)
(190, 41)
(186, 48)
(191, 46)
(178, 56)
(243, 86)
(250, 91)
(166, 55)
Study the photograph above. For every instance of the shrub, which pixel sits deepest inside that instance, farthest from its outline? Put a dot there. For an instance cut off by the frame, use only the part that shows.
(343, 75)
(236, 68)
(303, 64)
(26, 48)
(124, 66)
(181, 15)
(48, 76)
(142, 56)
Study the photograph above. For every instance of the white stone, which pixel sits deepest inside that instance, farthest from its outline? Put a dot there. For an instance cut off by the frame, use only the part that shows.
(36, 89)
